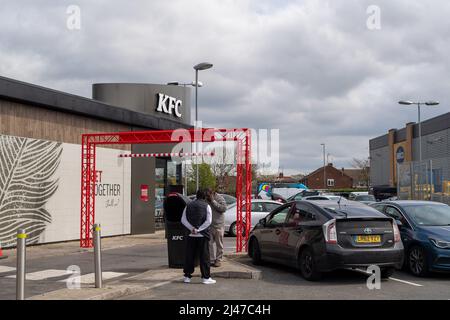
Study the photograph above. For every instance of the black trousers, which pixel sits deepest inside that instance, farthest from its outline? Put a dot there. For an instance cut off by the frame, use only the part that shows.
(197, 247)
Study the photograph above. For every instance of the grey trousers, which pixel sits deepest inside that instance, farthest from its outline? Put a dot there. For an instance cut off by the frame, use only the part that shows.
(216, 239)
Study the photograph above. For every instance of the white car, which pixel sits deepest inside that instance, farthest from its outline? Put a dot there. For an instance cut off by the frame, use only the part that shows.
(353, 195)
(260, 209)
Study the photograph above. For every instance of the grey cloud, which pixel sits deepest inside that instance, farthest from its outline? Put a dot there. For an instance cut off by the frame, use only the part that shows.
(309, 68)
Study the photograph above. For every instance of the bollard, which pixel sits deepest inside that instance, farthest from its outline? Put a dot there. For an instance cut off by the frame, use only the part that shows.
(98, 255)
(21, 260)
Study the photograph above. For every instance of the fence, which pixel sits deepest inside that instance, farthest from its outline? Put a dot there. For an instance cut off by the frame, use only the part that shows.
(426, 180)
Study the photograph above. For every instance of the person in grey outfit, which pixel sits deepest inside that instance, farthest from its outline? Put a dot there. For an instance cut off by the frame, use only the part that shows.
(217, 228)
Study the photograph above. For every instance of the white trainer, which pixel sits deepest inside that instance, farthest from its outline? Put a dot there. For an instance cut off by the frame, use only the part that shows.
(187, 280)
(208, 281)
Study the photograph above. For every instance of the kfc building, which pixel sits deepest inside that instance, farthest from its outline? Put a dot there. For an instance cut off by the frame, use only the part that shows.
(40, 141)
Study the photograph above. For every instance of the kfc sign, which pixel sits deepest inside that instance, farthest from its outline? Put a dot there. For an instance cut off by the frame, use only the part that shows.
(169, 105)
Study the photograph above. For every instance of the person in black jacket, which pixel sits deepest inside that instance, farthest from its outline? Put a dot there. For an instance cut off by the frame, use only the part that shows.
(197, 217)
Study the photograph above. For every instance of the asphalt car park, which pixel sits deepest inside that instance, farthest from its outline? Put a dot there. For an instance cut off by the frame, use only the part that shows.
(281, 282)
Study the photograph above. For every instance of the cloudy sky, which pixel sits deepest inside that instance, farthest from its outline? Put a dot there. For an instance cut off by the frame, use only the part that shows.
(312, 69)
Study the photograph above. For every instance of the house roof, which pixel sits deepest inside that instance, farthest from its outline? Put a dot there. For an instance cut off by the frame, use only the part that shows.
(328, 166)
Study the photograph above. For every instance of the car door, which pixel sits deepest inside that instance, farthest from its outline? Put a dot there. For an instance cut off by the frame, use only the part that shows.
(257, 212)
(405, 228)
(268, 207)
(270, 234)
(299, 224)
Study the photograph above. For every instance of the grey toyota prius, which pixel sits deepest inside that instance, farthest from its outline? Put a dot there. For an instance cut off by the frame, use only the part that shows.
(321, 236)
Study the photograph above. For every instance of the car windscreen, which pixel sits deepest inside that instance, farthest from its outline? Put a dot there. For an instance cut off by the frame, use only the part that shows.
(429, 214)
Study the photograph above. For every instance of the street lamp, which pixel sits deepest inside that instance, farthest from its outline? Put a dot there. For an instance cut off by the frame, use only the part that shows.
(184, 84)
(176, 83)
(197, 67)
(324, 167)
(428, 103)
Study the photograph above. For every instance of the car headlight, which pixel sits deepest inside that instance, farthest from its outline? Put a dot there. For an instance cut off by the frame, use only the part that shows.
(440, 243)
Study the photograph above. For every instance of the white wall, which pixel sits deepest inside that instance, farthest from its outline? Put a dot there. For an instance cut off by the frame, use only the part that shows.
(112, 211)
(40, 188)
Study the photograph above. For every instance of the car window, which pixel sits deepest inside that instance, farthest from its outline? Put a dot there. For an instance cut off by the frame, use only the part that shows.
(298, 197)
(394, 213)
(269, 207)
(379, 207)
(279, 217)
(301, 213)
(257, 207)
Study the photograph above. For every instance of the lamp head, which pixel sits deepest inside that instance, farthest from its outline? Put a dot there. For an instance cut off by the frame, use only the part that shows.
(203, 66)
(408, 103)
(432, 103)
(200, 84)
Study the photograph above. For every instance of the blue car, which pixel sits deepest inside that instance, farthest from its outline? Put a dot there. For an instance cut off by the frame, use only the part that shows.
(425, 232)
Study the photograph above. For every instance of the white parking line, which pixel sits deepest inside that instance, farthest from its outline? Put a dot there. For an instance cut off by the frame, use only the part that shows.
(390, 278)
(90, 277)
(4, 269)
(43, 274)
(407, 282)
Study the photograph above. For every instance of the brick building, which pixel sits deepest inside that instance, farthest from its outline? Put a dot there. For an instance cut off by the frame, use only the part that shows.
(335, 179)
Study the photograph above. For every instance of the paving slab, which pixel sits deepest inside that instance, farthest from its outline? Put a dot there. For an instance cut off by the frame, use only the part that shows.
(73, 247)
(147, 281)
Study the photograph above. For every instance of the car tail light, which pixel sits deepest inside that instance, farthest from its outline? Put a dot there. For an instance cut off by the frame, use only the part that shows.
(329, 231)
(397, 237)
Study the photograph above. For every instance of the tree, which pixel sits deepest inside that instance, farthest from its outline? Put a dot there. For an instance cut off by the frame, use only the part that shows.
(223, 166)
(206, 177)
(364, 166)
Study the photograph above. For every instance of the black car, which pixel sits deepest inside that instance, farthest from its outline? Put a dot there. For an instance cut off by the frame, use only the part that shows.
(321, 236)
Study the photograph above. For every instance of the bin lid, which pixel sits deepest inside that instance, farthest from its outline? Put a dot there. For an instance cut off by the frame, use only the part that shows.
(174, 205)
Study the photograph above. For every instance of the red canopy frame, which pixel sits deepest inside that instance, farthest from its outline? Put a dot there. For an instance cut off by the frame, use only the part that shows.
(243, 170)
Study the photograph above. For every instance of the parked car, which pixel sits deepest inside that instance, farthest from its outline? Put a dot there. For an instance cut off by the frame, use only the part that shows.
(321, 236)
(365, 198)
(326, 197)
(353, 195)
(425, 230)
(260, 209)
(302, 194)
(230, 200)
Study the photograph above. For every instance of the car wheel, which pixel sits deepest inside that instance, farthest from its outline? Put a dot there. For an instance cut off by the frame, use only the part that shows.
(233, 228)
(308, 266)
(255, 252)
(417, 261)
(387, 272)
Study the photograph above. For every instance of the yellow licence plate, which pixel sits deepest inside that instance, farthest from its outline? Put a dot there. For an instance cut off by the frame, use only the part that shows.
(368, 239)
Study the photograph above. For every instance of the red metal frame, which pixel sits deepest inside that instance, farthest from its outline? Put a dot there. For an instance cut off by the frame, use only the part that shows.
(243, 163)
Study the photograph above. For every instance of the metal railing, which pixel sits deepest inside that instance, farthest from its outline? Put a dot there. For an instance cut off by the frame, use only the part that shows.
(426, 180)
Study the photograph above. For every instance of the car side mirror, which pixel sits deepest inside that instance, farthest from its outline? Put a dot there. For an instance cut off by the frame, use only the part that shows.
(262, 222)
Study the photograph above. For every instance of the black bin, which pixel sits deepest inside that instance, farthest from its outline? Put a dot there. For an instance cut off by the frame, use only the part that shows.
(176, 233)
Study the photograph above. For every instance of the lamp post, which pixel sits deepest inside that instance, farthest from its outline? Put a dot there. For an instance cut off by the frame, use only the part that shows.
(197, 67)
(428, 103)
(324, 167)
(184, 84)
